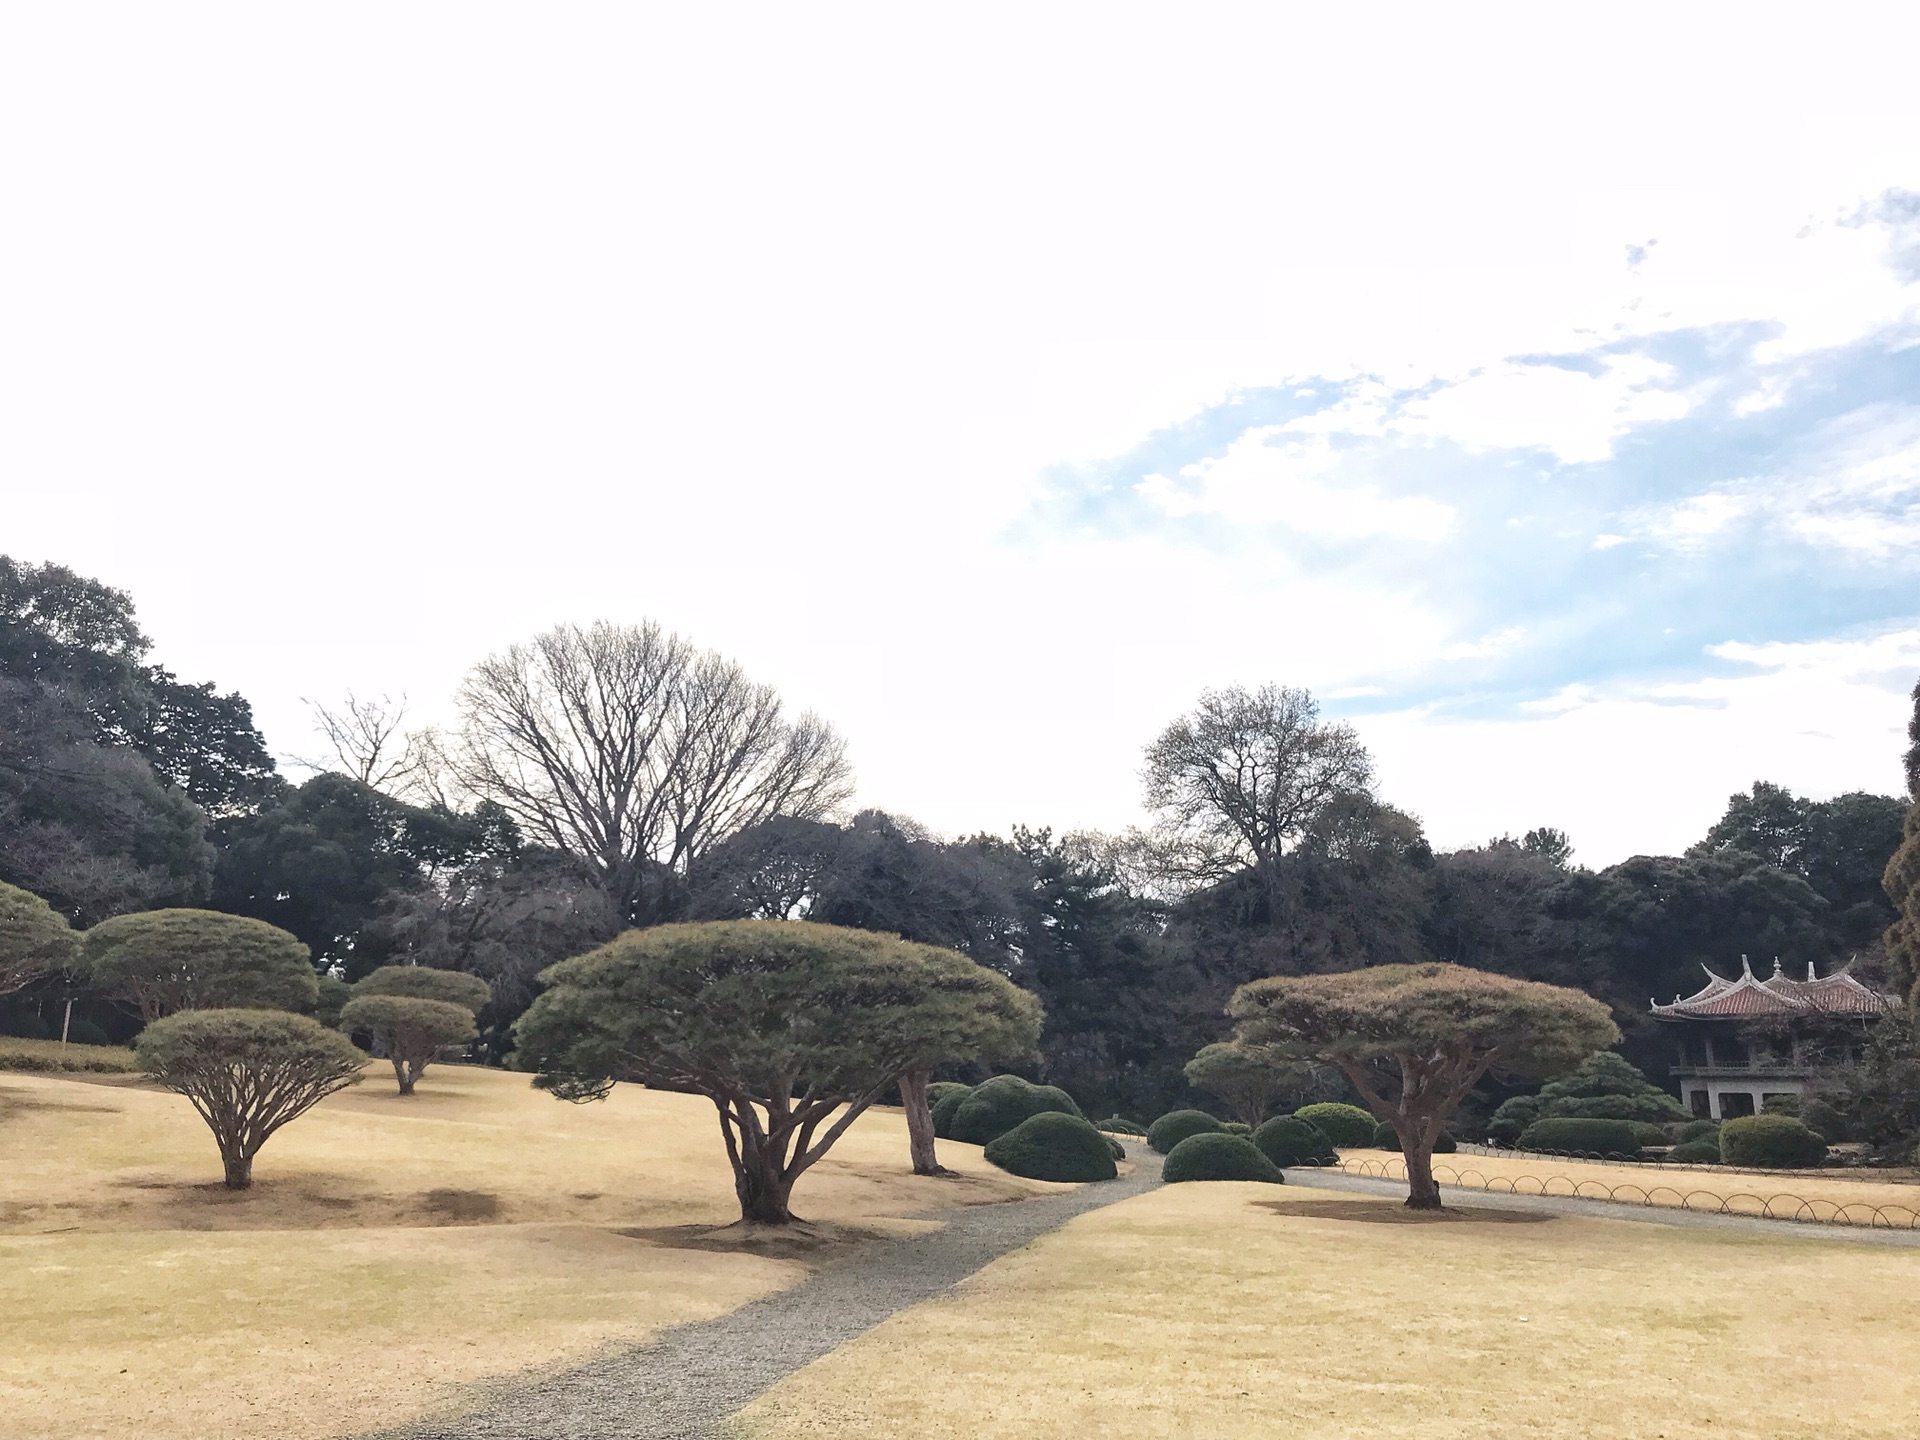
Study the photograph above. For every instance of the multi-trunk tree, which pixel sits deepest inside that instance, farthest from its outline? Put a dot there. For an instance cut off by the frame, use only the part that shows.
(247, 1073)
(1414, 1039)
(792, 1030)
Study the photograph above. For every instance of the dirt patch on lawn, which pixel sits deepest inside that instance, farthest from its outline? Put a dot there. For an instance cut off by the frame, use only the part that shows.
(1376, 1212)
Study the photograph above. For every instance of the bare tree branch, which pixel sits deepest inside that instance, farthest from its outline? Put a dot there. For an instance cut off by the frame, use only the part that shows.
(634, 753)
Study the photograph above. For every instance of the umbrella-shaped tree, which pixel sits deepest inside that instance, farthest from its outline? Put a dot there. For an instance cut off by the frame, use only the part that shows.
(414, 1011)
(792, 1029)
(160, 961)
(1414, 1039)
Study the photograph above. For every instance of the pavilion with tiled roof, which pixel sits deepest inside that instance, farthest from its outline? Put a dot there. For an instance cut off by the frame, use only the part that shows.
(1742, 1045)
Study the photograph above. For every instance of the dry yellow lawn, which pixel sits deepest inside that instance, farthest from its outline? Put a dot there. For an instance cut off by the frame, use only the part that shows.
(1229, 1312)
(1745, 1191)
(389, 1251)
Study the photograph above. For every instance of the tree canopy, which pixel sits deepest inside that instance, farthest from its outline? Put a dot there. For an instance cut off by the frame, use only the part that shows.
(1251, 1079)
(162, 961)
(1414, 1039)
(791, 1029)
(633, 753)
(35, 939)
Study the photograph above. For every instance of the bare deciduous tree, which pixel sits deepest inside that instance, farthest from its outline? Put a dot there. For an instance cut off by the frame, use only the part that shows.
(1243, 777)
(369, 744)
(634, 753)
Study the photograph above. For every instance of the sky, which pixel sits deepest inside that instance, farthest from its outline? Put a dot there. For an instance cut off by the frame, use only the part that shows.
(1541, 389)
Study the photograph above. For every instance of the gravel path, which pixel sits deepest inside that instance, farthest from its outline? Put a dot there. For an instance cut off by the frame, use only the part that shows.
(1612, 1210)
(693, 1376)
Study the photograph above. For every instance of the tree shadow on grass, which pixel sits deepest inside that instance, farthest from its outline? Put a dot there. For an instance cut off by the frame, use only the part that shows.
(1377, 1212)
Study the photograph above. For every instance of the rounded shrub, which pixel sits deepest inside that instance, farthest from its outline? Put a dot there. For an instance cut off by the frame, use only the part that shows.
(1176, 1125)
(1118, 1150)
(1700, 1130)
(1212, 1155)
(1650, 1133)
(1575, 1135)
(1770, 1142)
(1120, 1125)
(1388, 1138)
(1235, 1127)
(1347, 1126)
(1054, 1146)
(1289, 1140)
(85, 1032)
(946, 1105)
(999, 1104)
(1695, 1152)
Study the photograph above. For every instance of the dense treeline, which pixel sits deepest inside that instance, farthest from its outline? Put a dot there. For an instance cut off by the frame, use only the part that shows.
(608, 777)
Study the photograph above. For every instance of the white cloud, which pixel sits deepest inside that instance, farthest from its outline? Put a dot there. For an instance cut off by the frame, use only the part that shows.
(1647, 772)
(1498, 643)
(1575, 415)
(1270, 477)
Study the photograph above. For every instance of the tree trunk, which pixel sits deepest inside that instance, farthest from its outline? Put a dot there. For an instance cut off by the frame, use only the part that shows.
(1422, 1192)
(400, 1073)
(239, 1170)
(913, 1096)
(762, 1189)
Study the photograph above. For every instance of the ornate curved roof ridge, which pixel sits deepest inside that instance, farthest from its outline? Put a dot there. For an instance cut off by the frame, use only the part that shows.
(1835, 993)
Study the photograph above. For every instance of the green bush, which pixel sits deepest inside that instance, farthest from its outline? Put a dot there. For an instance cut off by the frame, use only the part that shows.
(85, 1032)
(947, 1105)
(1176, 1125)
(1054, 1146)
(1700, 1130)
(1289, 1140)
(1347, 1126)
(1650, 1133)
(1770, 1142)
(1513, 1117)
(1695, 1152)
(29, 1026)
(1577, 1135)
(1213, 1155)
(1388, 1138)
(1235, 1127)
(1120, 1125)
(999, 1104)
(1114, 1147)
(1782, 1105)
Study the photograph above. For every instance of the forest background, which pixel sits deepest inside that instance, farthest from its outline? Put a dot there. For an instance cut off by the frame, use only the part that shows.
(124, 787)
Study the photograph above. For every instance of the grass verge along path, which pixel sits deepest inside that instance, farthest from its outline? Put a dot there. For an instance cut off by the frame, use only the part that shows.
(1240, 1312)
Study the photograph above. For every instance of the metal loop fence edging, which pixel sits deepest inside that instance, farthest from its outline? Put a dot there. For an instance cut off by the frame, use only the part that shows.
(1860, 1214)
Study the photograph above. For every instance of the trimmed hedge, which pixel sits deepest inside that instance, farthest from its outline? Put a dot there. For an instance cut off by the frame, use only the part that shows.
(1695, 1152)
(1212, 1155)
(1388, 1138)
(1650, 1133)
(17, 1053)
(1054, 1146)
(999, 1104)
(1118, 1151)
(1120, 1125)
(1347, 1126)
(1571, 1135)
(1176, 1125)
(1235, 1127)
(1289, 1140)
(1771, 1142)
(1700, 1130)
(946, 1105)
